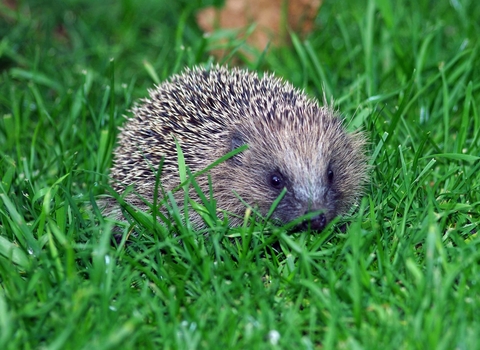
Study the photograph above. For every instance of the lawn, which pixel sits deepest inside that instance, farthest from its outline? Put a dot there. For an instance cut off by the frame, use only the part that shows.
(400, 271)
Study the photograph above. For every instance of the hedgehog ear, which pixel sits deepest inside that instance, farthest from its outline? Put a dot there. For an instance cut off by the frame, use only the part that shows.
(236, 141)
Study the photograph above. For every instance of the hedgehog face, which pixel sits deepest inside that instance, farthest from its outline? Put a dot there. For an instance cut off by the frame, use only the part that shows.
(306, 192)
(310, 188)
(299, 200)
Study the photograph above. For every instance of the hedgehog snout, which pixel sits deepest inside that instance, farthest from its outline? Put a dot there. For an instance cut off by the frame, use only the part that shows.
(316, 223)
(313, 201)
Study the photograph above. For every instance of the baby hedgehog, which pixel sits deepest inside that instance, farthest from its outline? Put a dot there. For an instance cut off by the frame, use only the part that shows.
(293, 144)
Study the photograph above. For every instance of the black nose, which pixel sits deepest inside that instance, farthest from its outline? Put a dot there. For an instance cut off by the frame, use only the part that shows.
(317, 223)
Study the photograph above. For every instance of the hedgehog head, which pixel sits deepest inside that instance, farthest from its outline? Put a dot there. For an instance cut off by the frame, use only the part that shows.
(297, 147)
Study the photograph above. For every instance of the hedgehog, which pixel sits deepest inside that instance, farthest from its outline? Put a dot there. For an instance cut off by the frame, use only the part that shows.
(296, 148)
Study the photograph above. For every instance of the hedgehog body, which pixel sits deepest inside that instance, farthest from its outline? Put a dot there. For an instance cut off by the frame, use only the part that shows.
(293, 143)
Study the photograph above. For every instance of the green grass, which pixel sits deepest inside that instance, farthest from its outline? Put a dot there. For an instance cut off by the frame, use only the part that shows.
(404, 275)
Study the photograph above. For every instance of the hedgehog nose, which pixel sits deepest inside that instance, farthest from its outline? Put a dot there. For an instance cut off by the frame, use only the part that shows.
(317, 223)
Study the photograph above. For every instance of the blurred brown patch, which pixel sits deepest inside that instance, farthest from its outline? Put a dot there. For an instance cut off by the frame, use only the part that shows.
(11, 4)
(272, 19)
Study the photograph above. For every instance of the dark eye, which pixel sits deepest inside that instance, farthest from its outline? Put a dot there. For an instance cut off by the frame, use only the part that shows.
(276, 181)
(330, 174)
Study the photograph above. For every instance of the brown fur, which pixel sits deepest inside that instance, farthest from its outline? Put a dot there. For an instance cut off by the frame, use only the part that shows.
(211, 112)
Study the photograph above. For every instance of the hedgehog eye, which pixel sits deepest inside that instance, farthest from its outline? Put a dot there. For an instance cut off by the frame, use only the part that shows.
(330, 174)
(276, 181)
